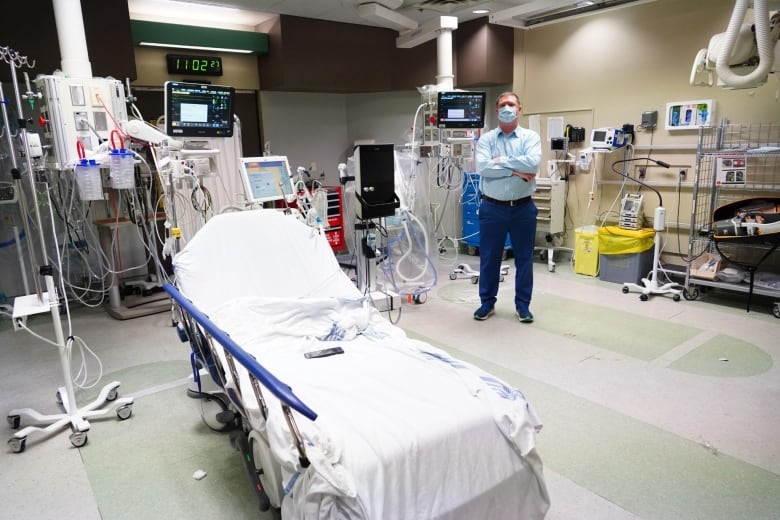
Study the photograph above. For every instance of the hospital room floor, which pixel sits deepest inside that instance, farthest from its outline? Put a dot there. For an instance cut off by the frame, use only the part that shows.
(651, 410)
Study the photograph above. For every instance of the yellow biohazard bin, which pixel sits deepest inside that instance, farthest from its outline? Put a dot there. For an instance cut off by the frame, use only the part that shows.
(586, 250)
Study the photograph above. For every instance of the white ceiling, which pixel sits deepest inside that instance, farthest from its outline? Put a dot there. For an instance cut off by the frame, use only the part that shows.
(256, 11)
(245, 14)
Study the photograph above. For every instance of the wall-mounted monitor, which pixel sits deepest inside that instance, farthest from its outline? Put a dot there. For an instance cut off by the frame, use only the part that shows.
(198, 110)
(267, 178)
(461, 109)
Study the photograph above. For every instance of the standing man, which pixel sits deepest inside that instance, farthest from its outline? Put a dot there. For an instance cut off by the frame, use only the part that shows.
(507, 161)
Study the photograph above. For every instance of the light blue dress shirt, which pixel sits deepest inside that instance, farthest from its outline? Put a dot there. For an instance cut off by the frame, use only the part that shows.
(521, 150)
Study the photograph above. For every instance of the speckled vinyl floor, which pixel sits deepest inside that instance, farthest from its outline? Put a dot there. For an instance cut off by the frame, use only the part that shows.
(651, 410)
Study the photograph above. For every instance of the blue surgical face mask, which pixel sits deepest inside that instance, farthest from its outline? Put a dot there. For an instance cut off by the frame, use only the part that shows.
(507, 114)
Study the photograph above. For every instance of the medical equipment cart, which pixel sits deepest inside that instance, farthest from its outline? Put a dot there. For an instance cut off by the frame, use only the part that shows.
(550, 200)
(734, 163)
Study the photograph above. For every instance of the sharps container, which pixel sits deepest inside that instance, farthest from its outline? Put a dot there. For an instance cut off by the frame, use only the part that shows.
(122, 174)
(586, 250)
(88, 181)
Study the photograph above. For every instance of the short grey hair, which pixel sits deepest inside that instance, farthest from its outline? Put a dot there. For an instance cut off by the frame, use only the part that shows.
(506, 94)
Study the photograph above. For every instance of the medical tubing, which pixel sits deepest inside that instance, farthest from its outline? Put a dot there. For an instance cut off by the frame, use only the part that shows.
(121, 141)
(605, 215)
(81, 378)
(24, 326)
(427, 259)
(397, 264)
(409, 215)
(413, 139)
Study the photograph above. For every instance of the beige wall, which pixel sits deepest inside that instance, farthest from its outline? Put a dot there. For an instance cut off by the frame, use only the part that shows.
(600, 70)
(605, 70)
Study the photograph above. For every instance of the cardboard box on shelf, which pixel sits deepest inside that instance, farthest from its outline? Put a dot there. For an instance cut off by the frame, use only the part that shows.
(706, 266)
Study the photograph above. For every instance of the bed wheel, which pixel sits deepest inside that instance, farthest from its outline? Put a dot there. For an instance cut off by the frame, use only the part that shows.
(78, 439)
(691, 294)
(420, 298)
(268, 470)
(212, 408)
(776, 310)
(183, 337)
(474, 279)
(14, 421)
(17, 444)
(124, 411)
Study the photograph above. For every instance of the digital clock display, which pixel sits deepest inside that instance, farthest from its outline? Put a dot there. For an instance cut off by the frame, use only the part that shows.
(201, 65)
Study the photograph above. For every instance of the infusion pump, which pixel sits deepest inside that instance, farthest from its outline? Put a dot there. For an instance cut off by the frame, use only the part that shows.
(631, 211)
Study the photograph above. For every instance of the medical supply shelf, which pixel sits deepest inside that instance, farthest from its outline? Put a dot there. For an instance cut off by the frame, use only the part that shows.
(734, 163)
(549, 200)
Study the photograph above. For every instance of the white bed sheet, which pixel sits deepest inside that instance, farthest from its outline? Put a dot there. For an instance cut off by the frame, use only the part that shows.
(404, 431)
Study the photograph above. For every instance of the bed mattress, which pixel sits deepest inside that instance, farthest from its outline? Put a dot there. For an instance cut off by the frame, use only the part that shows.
(403, 429)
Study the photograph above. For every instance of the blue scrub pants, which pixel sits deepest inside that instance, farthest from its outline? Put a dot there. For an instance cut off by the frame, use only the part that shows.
(495, 221)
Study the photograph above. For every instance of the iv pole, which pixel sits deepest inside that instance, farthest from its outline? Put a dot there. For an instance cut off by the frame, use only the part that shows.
(650, 285)
(40, 302)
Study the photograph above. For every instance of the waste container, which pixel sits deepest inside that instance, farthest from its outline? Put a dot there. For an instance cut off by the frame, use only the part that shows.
(586, 250)
(625, 255)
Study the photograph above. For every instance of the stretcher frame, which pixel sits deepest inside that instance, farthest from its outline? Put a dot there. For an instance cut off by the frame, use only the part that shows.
(276, 452)
(202, 334)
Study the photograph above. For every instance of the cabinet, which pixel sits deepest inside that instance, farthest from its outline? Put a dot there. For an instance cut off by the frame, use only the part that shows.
(550, 200)
(736, 166)
(334, 230)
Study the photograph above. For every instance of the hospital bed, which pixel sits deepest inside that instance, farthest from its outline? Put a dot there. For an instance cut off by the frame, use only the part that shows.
(389, 428)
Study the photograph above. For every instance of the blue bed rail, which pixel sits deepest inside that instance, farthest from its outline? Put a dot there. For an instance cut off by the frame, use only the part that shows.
(282, 391)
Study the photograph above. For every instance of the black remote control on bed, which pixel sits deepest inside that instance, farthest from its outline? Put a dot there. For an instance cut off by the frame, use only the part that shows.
(323, 353)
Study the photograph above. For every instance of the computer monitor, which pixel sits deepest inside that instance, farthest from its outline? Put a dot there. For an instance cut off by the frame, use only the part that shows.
(198, 110)
(267, 178)
(461, 109)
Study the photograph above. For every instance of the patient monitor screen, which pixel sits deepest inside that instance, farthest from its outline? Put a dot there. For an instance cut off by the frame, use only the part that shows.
(461, 109)
(267, 178)
(198, 110)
